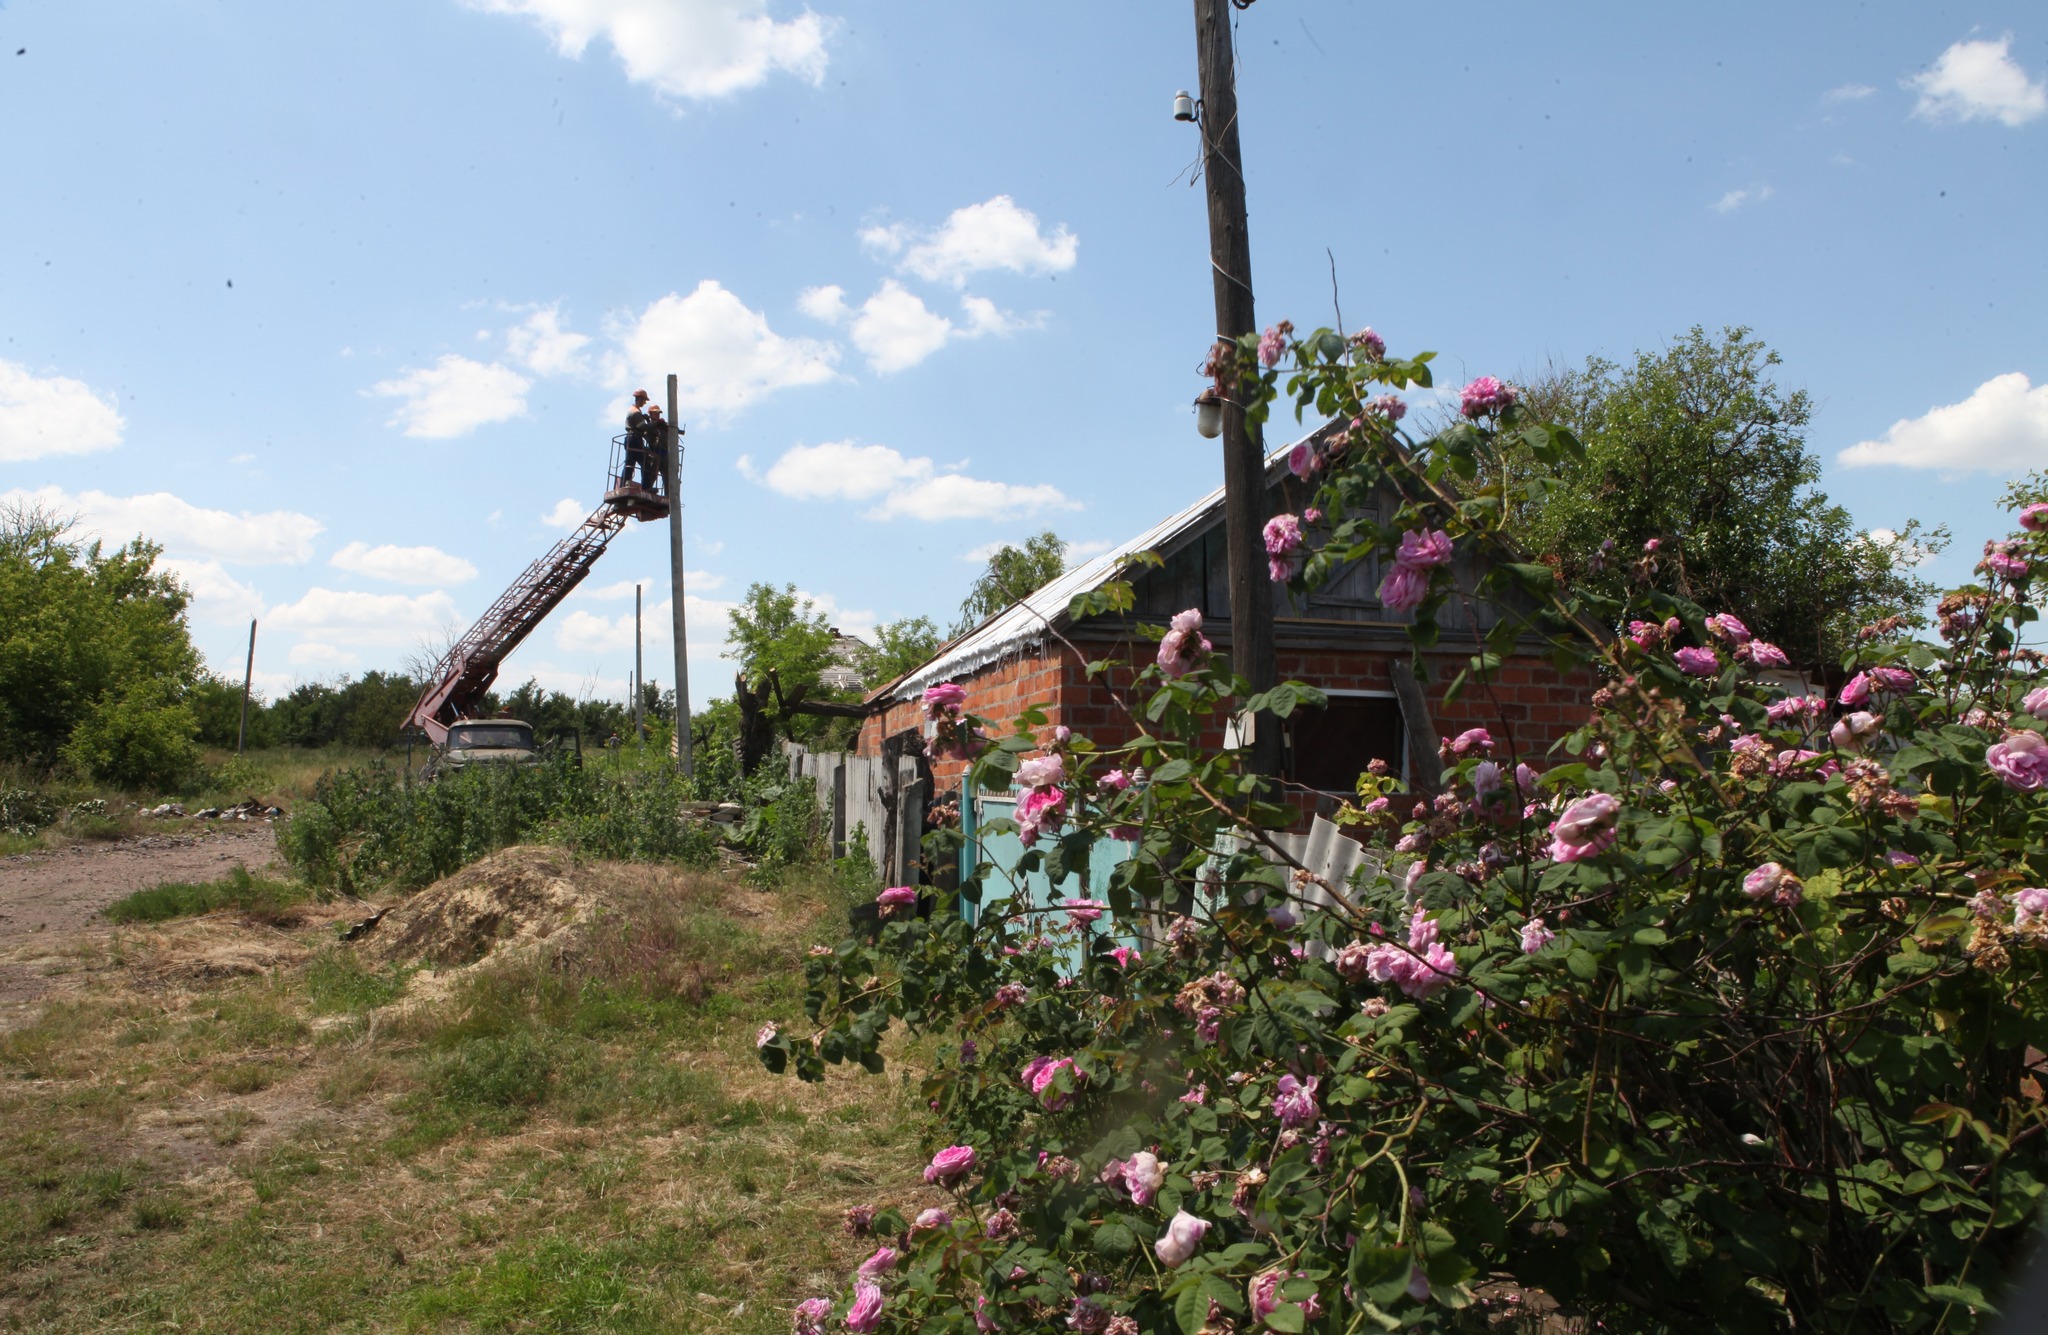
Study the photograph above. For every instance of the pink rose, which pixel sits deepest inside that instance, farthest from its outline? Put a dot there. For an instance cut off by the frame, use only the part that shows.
(1301, 460)
(1792, 708)
(1117, 780)
(1484, 395)
(1184, 645)
(1586, 829)
(2035, 517)
(1852, 731)
(1037, 810)
(1773, 882)
(1273, 343)
(944, 699)
(1081, 912)
(1728, 628)
(1143, 1176)
(1182, 1237)
(1763, 655)
(2021, 760)
(951, 1164)
(1042, 771)
(1389, 406)
(1280, 569)
(866, 1312)
(881, 1262)
(1535, 936)
(895, 899)
(2036, 702)
(1375, 348)
(811, 1314)
(1295, 1103)
(1283, 535)
(1423, 548)
(1125, 956)
(1471, 741)
(1698, 662)
(2029, 906)
(927, 1220)
(1404, 588)
(1010, 994)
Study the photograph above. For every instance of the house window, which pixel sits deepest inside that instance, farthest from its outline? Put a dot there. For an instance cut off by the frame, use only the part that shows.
(1328, 748)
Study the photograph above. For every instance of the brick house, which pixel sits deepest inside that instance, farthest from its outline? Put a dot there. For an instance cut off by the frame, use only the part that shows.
(1339, 639)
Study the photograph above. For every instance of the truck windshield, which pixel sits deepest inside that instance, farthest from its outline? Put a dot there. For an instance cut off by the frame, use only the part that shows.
(503, 735)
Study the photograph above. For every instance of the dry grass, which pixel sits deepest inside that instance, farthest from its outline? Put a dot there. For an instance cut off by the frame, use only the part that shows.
(574, 1140)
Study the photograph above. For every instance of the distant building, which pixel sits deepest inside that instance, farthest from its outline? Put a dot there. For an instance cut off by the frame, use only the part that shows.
(848, 653)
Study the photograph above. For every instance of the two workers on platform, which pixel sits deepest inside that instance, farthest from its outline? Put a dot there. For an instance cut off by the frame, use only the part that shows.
(646, 439)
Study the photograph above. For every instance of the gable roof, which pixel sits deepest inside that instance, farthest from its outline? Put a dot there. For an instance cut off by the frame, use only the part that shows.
(1024, 624)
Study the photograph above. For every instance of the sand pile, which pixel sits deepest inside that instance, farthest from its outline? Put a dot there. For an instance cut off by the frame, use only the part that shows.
(515, 900)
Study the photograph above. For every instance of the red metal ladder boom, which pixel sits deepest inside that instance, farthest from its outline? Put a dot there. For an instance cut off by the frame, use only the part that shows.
(466, 672)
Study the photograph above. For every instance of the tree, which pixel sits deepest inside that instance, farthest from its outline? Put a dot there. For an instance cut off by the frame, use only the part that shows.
(1697, 447)
(94, 640)
(900, 646)
(1012, 574)
(779, 632)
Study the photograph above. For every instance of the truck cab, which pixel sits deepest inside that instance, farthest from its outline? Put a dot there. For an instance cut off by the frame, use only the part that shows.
(496, 741)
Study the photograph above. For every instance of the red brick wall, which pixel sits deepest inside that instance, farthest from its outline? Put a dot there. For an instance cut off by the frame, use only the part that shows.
(1527, 704)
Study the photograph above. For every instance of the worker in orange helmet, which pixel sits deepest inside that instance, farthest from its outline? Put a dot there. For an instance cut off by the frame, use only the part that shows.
(640, 436)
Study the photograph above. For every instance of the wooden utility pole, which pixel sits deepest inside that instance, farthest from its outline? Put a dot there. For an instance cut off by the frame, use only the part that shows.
(672, 458)
(248, 675)
(1244, 455)
(639, 671)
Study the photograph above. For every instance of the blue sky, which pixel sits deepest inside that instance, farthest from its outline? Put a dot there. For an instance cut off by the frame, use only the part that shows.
(340, 302)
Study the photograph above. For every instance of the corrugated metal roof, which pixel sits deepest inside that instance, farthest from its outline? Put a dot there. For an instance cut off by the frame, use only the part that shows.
(1023, 625)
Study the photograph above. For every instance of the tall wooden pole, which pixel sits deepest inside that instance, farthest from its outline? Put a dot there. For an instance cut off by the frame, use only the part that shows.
(673, 459)
(639, 671)
(1244, 458)
(248, 675)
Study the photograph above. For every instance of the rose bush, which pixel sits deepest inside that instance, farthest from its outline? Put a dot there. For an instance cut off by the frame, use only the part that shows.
(1721, 1017)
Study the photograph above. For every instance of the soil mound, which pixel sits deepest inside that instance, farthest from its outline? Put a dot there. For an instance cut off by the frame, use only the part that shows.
(515, 899)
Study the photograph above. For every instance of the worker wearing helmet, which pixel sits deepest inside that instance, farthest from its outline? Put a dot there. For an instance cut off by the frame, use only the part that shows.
(640, 435)
(657, 443)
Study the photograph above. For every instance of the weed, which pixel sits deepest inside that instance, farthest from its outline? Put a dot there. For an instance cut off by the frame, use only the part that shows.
(513, 1070)
(337, 983)
(158, 1213)
(353, 1079)
(244, 1078)
(177, 899)
(231, 1126)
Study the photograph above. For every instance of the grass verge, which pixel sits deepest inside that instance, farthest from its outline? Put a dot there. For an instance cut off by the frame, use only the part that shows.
(177, 899)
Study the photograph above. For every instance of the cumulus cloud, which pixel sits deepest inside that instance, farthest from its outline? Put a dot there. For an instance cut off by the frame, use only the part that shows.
(895, 330)
(542, 346)
(907, 486)
(41, 416)
(2001, 428)
(1850, 92)
(593, 633)
(1978, 81)
(568, 513)
(995, 234)
(403, 565)
(217, 596)
(685, 48)
(316, 654)
(724, 354)
(380, 620)
(453, 397)
(276, 537)
(1735, 199)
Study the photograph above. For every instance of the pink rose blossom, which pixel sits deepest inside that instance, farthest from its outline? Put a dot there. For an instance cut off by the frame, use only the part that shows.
(1375, 348)
(1116, 780)
(2035, 517)
(1081, 912)
(1700, 662)
(866, 1312)
(1423, 548)
(1484, 395)
(1472, 741)
(1586, 829)
(1773, 882)
(2029, 906)
(2004, 560)
(1042, 771)
(1877, 681)
(1852, 731)
(1143, 1175)
(944, 700)
(1792, 708)
(1900, 858)
(1039, 1075)
(1535, 936)
(1729, 628)
(881, 1262)
(1182, 1238)
(1125, 956)
(811, 1314)
(1645, 635)
(1295, 1103)
(1038, 810)
(2021, 760)
(1283, 535)
(1196, 1094)
(951, 1164)
(1301, 460)
(1404, 588)
(2036, 702)
(1273, 343)
(1389, 406)
(1184, 645)
(1527, 778)
(927, 1220)
(766, 1035)
(1763, 655)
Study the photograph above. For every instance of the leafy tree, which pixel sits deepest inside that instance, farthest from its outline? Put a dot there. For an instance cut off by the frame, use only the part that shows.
(92, 639)
(1697, 447)
(779, 631)
(900, 646)
(1012, 574)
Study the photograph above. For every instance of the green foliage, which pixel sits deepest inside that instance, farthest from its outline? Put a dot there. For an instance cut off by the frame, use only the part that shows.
(494, 1071)
(1012, 574)
(177, 899)
(900, 646)
(367, 711)
(337, 983)
(553, 712)
(1728, 1021)
(94, 656)
(784, 827)
(1697, 446)
(380, 826)
(781, 632)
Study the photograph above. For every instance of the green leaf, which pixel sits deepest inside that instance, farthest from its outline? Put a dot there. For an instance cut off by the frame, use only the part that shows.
(1286, 1317)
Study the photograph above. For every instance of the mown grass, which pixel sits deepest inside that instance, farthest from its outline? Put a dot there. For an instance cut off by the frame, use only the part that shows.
(177, 899)
(570, 1145)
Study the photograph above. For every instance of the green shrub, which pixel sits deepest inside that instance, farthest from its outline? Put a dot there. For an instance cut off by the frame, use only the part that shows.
(494, 1071)
(140, 739)
(337, 982)
(177, 899)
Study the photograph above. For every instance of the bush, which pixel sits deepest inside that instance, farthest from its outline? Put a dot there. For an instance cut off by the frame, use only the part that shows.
(175, 899)
(1720, 1022)
(497, 1071)
(139, 740)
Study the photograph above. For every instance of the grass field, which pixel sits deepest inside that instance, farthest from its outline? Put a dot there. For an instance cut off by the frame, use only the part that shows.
(545, 1145)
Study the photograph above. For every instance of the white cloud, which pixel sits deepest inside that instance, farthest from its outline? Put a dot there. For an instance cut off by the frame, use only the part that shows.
(908, 486)
(1850, 92)
(403, 565)
(992, 234)
(724, 354)
(542, 346)
(707, 620)
(316, 654)
(41, 416)
(896, 330)
(382, 620)
(1735, 199)
(277, 537)
(995, 234)
(216, 595)
(826, 303)
(2001, 428)
(956, 496)
(623, 589)
(685, 48)
(1978, 81)
(568, 513)
(454, 397)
